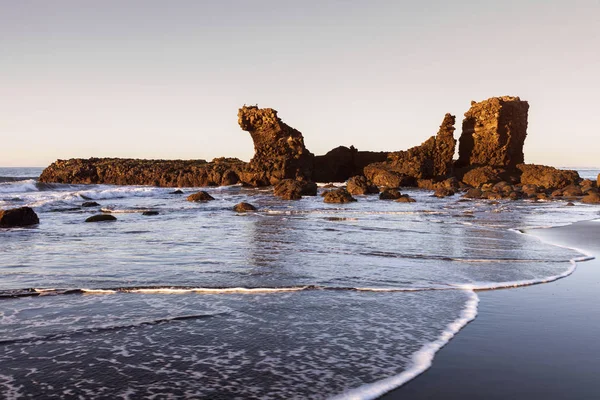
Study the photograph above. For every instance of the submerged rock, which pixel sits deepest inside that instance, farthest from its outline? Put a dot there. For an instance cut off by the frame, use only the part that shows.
(200, 196)
(150, 213)
(15, 217)
(243, 207)
(390, 194)
(405, 199)
(101, 218)
(90, 204)
(338, 196)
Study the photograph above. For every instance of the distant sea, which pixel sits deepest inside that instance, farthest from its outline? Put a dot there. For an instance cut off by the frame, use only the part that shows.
(300, 299)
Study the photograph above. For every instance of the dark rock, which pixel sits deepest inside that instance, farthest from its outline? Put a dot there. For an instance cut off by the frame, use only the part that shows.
(101, 218)
(177, 192)
(591, 198)
(200, 196)
(405, 199)
(23, 216)
(343, 162)
(150, 213)
(390, 194)
(493, 133)
(358, 185)
(431, 159)
(329, 186)
(569, 204)
(547, 177)
(243, 207)
(90, 204)
(279, 149)
(290, 189)
(338, 196)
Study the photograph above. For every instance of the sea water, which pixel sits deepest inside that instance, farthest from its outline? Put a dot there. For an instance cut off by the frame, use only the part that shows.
(300, 299)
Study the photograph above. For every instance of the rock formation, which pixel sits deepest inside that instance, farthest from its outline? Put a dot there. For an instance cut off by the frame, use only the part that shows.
(493, 133)
(547, 177)
(343, 162)
(166, 173)
(338, 196)
(358, 185)
(432, 159)
(290, 189)
(279, 149)
(244, 207)
(23, 216)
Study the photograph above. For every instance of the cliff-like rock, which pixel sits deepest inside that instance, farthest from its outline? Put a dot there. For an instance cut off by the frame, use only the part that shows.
(493, 133)
(166, 173)
(432, 159)
(279, 149)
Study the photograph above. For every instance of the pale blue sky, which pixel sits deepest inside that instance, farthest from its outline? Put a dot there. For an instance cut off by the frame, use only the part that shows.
(164, 79)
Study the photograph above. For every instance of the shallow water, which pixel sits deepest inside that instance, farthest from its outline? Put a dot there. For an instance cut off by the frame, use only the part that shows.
(340, 296)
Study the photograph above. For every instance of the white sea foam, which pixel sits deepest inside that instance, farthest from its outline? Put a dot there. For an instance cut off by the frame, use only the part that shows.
(421, 360)
(18, 186)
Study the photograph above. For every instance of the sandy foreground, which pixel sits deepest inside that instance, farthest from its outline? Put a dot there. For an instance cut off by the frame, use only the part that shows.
(537, 342)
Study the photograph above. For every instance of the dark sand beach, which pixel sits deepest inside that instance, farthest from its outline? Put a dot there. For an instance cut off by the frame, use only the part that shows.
(540, 342)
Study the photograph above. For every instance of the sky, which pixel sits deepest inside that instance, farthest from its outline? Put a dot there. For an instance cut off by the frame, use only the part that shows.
(164, 79)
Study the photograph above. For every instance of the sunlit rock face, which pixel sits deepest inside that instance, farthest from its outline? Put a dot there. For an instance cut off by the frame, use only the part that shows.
(279, 149)
(493, 133)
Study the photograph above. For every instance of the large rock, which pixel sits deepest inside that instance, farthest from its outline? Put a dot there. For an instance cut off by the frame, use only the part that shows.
(547, 177)
(166, 173)
(23, 216)
(479, 176)
(359, 185)
(493, 133)
(432, 159)
(343, 162)
(279, 149)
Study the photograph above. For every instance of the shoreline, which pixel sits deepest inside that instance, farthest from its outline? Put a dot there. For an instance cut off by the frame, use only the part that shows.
(511, 349)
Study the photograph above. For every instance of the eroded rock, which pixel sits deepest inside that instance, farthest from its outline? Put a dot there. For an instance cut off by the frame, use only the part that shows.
(359, 185)
(493, 133)
(547, 177)
(290, 189)
(338, 196)
(200, 196)
(244, 207)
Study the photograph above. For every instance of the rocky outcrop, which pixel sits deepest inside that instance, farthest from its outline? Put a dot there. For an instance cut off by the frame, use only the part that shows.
(591, 198)
(432, 159)
(166, 173)
(338, 196)
(547, 177)
(343, 162)
(15, 217)
(358, 185)
(390, 194)
(279, 149)
(479, 176)
(493, 133)
(200, 196)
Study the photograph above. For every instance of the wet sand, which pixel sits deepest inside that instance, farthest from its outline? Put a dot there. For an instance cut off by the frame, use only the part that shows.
(540, 341)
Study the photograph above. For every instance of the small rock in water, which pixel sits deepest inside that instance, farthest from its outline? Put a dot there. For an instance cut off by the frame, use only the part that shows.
(390, 194)
(23, 216)
(244, 207)
(101, 218)
(405, 199)
(338, 196)
(200, 196)
(177, 192)
(569, 204)
(149, 213)
(90, 204)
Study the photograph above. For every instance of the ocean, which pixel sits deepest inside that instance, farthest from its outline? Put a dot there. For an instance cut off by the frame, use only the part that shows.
(300, 299)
